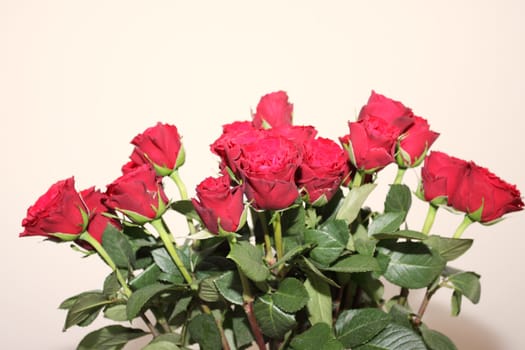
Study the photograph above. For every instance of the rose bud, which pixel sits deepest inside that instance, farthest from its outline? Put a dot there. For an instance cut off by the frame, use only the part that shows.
(323, 168)
(59, 214)
(440, 176)
(161, 146)
(370, 144)
(483, 196)
(394, 113)
(138, 194)
(273, 111)
(94, 201)
(268, 169)
(219, 204)
(414, 143)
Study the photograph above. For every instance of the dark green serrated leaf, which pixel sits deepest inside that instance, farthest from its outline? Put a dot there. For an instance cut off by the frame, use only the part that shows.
(292, 220)
(330, 240)
(208, 291)
(386, 223)
(292, 253)
(394, 337)
(273, 321)
(402, 234)
(317, 337)
(308, 267)
(111, 285)
(354, 263)
(398, 199)
(110, 338)
(412, 264)
(240, 327)
(363, 243)
(161, 345)
(116, 313)
(85, 306)
(436, 340)
(455, 303)
(118, 247)
(204, 331)
(319, 303)
(146, 277)
(181, 308)
(250, 260)
(230, 287)
(357, 326)
(138, 300)
(291, 296)
(69, 302)
(373, 287)
(173, 338)
(467, 283)
(166, 264)
(448, 248)
(185, 207)
(401, 315)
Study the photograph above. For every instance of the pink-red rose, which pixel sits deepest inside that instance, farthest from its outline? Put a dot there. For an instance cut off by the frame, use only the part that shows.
(392, 112)
(94, 201)
(159, 145)
(370, 144)
(273, 111)
(414, 143)
(59, 210)
(323, 168)
(218, 203)
(138, 194)
(440, 176)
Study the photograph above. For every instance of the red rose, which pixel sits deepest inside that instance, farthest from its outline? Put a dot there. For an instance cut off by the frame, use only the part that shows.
(322, 170)
(273, 111)
(370, 144)
(138, 194)
(94, 201)
(161, 146)
(268, 169)
(299, 134)
(440, 176)
(414, 143)
(218, 203)
(136, 160)
(59, 210)
(484, 196)
(391, 111)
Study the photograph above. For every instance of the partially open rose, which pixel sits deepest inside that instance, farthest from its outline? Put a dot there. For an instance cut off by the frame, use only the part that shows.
(273, 111)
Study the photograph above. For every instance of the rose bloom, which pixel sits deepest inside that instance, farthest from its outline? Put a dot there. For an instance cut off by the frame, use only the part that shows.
(161, 146)
(440, 176)
(392, 112)
(370, 144)
(268, 168)
(219, 203)
(273, 111)
(59, 210)
(138, 194)
(414, 143)
(323, 168)
(484, 196)
(94, 201)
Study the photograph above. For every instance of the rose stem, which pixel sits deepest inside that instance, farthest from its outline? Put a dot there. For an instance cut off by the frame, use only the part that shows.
(462, 227)
(399, 176)
(247, 298)
(224, 341)
(429, 220)
(266, 233)
(183, 195)
(358, 179)
(169, 244)
(423, 306)
(150, 326)
(105, 256)
(278, 235)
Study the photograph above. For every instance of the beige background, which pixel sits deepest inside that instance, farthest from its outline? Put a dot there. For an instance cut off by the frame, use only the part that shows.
(79, 79)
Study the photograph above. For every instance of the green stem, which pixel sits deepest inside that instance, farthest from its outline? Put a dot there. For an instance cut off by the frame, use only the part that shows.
(358, 179)
(105, 256)
(399, 176)
(463, 226)
(429, 220)
(278, 235)
(183, 195)
(248, 298)
(170, 247)
(266, 233)
(224, 341)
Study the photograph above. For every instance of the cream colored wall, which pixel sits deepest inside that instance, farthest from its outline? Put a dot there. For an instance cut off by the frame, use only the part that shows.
(79, 79)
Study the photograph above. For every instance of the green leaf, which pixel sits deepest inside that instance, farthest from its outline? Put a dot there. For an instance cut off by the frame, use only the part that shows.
(118, 247)
(230, 287)
(116, 313)
(85, 306)
(109, 338)
(172, 338)
(394, 337)
(448, 248)
(330, 240)
(141, 297)
(185, 207)
(401, 234)
(292, 220)
(292, 253)
(208, 292)
(146, 277)
(69, 302)
(363, 243)
(317, 337)
(273, 321)
(240, 327)
(354, 200)
(354, 263)
(455, 303)
(291, 296)
(467, 283)
(204, 331)
(373, 287)
(250, 260)
(319, 304)
(401, 315)
(357, 326)
(436, 340)
(386, 223)
(398, 199)
(412, 264)
(111, 285)
(309, 268)
(161, 345)
(163, 259)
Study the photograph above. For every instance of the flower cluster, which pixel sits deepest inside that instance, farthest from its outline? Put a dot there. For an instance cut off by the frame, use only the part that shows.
(279, 243)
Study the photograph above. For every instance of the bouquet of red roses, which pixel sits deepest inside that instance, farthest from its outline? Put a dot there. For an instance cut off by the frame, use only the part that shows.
(280, 249)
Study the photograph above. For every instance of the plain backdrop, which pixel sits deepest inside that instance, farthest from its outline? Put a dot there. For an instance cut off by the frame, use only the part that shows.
(79, 79)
